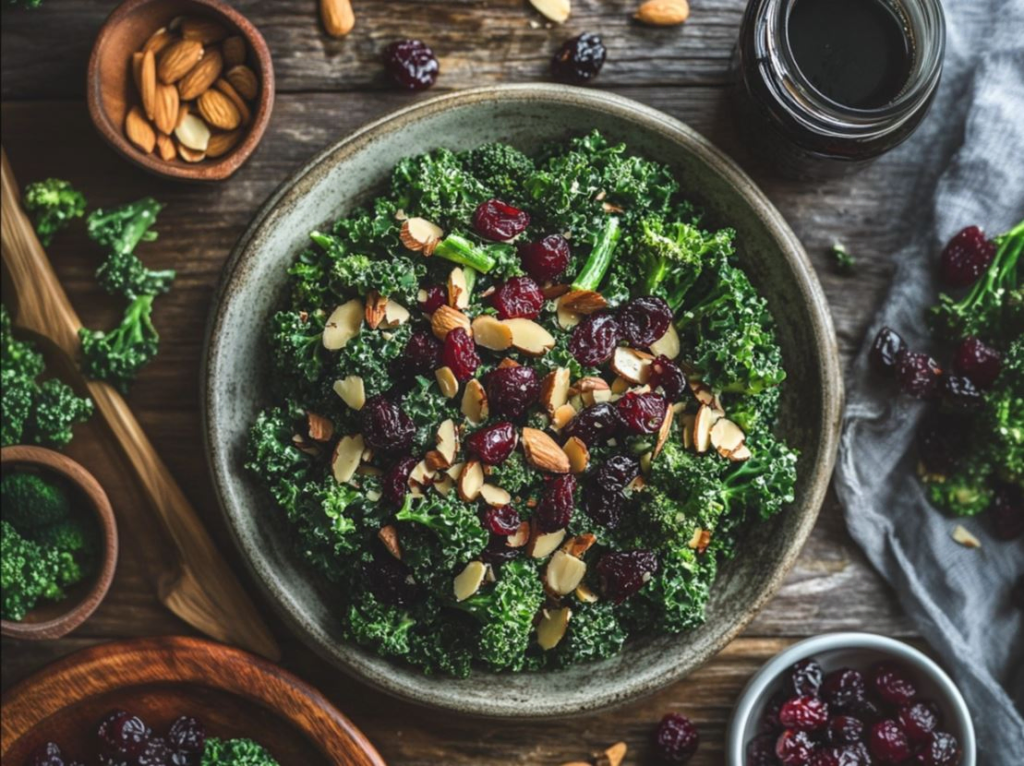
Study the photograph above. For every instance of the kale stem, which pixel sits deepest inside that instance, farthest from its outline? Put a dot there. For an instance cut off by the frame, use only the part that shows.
(600, 258)
(460, 250)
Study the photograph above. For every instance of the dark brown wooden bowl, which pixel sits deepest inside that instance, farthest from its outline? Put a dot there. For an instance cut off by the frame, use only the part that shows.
(235, 694)
(53, 620)
(110, 91)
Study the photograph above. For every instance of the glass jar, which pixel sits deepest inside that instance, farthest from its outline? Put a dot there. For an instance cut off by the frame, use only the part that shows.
(805, 133)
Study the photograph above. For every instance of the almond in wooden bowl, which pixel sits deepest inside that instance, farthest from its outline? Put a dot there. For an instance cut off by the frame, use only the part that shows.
(218, 67)
(54, 619)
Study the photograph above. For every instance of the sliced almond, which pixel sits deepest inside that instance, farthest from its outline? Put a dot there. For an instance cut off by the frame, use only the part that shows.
(373, 311)
(700, 540)
(520, 537)
(388, 535)
(543, 452)
(190, 155)
(347, 456)
(554, 390)
(632, 365)
(443, 484)
(436, 461)
(583, 302)
(351, 390)
(445, 319)
(578, 454)
(591, 390)
(567, 318)
(563, 415)
(420, 235)
(395, 315)
(448, 441)
(614, 755)
(177, 60)
(542, 544)
(563, 573)
(686, 421)
(965, 538)
(343, 324)
(469, 580)
(139, 131)
(421, 476)
(458, 290)
(492, 333)
(663, 432)
(586, 595)
(667, 345)
(447, 381)
(702, 425)
(580, 544)
(320, 428)
(529, 337)
(552, 626)
(494, 495)
(740, 454)
(507, 362)
(193, 133)
(620, 386)
(474, 402)
(554, 10)
(726, 436)
(703, 392)
(471, 480)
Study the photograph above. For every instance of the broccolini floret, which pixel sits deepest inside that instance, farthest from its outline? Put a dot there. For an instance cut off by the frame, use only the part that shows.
(503, 169)
(118, 356)
(30, 573)
(121, 229)
(51, 204)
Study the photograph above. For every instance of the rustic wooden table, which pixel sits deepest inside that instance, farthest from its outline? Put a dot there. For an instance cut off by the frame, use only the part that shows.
(327, 88)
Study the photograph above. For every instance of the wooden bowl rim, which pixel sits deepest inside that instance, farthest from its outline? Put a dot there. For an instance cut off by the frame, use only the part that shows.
(216, 170)
(180, 659)
(75, 473)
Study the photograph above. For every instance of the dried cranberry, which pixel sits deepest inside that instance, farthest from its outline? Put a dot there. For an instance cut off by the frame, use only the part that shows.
(502, 521)
(794, 748)
(389, 580)
(394, 484)
(499, 221)
(493, 444)
(497, 551)
(918, 720)
(411, 64)
(888, 742)
(122, 734)
(644, 320)
(761, 751)
(432, 298)
(422, 354)
(804, 713)
(594, 339)
(518, 297)
(579, 60)
(385, 427)
(804, 678)
(642, 413)
(966, 257)
(47, 755)
(835, 756)
(918, 374)
(459, 354)
(603, 497)
(594, 425)
(840, 687)
(666, 375)
(156, 753)
(978, 361)
(623, 573)
(554, 509)
(845, 730)
(512, 390)
(940, 749)
(864, 709)
(187, 734)
(887, 349)
(890, 681)
(676, 739)
(960, 392)
(547, 259)
(1007, 511)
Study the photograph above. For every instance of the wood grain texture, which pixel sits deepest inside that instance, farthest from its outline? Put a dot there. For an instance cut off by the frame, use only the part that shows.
(327, 88)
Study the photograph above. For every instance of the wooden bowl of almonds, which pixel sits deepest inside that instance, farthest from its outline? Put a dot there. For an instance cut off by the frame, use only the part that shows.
(181, 88)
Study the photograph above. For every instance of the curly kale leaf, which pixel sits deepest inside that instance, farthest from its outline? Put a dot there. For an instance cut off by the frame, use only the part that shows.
(235, 752)
(501, 168)
(370, 355)
(298, 357)
(396, 277)
(438, 187)
(273, 457)
(384, 628)
(118, 356)
(427, 407)
(673, 255)
(456, 532)
(440, 644)
(594, 633)
(675, 599)
(52, 204)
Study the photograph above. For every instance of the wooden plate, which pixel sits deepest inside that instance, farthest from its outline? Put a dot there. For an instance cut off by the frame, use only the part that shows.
(234, 693)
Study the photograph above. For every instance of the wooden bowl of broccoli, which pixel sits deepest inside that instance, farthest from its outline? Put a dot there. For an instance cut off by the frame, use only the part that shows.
(59, 544)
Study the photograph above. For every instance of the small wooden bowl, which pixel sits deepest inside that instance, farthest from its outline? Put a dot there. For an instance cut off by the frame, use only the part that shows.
(53, 620)
(110, 91)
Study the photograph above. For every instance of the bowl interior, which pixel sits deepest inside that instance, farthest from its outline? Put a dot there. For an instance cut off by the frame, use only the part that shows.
(112, 91)
(527, 117)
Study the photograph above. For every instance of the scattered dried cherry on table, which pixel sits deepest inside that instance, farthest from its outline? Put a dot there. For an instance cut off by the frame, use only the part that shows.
(676, 739)
(411, 64)
(886, 349)
(918, 374)
(966, 257)
(579, 59)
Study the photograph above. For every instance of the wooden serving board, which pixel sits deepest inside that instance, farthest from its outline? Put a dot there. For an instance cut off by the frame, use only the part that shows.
(234, 693)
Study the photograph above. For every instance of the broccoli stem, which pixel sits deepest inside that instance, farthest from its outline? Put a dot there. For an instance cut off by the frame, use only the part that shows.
(124, 227)
(600, 258)
(460, 250)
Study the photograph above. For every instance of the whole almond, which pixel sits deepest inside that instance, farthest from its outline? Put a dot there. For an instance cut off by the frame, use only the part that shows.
(183, 112)
(337, 17)
(165, 147)
(244, 81)
(165, 109)
(555, 10)
(205, 31)
(543, 452)
(243, 108)
(147, 83)
(222, 143)
(233, 49)
(139, 131)
(190, 155)
(663, 13)
(158, 41)
(201, 76)
(177, 60)
(137, 70)
(218, 111)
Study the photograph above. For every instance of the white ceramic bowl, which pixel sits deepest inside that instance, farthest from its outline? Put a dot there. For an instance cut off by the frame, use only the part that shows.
(855, 650)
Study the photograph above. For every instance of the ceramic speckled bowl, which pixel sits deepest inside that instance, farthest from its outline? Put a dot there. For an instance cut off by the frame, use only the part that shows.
(350, 172)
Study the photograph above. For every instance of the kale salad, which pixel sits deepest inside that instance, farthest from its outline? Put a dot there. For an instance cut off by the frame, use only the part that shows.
(522, 406)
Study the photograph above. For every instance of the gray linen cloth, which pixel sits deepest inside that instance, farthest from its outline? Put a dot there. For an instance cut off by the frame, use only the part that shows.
(971, 153)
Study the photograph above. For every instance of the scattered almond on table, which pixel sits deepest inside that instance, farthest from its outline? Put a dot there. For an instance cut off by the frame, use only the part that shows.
(663, 13)
(337, 17)
(613, 756)
(195, 89)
